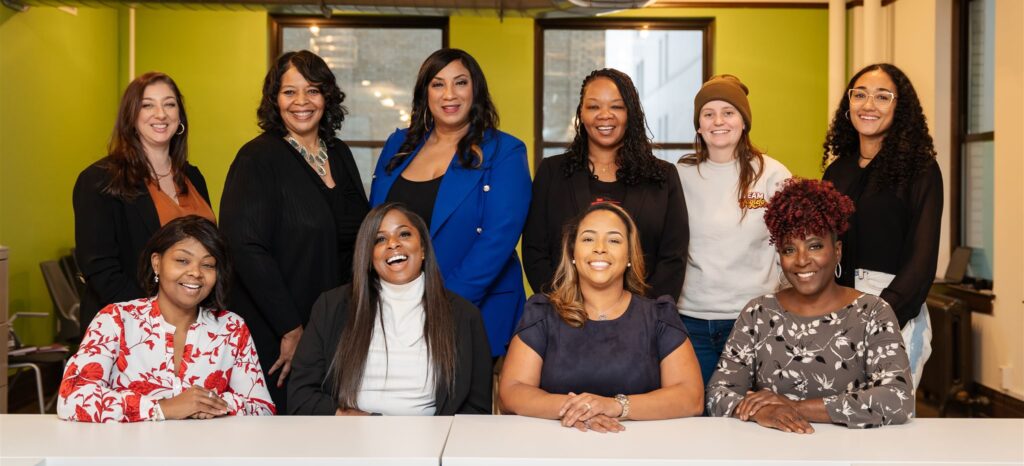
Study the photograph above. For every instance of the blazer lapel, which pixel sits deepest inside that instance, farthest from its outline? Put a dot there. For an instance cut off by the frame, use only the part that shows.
(145, 209)
(457, 184)
(581, 190)
(635, 198)
(385, 180)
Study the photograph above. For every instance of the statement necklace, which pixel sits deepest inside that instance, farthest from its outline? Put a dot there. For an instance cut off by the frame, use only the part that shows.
(317, 160)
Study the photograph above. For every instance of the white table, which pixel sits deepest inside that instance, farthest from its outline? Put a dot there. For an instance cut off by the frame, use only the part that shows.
(514, 440)
(30, 440)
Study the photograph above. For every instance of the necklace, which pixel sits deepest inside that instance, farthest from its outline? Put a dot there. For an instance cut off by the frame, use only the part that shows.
(603, 314)
(165, 175)
(316, 160)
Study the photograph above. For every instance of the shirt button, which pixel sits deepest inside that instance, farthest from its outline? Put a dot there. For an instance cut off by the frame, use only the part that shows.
(487, 187)
(479, 230)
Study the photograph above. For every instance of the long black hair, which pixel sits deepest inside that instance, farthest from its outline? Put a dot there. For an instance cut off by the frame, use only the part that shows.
(203, 231)
(907, 147)
(349, 363)
(483, 115)
(635, 158)
(316, 71)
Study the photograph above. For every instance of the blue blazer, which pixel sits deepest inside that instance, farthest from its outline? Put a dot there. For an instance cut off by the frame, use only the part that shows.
(478, 217)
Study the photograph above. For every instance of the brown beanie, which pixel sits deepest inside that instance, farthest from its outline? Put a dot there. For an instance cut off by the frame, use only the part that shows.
(723, 87)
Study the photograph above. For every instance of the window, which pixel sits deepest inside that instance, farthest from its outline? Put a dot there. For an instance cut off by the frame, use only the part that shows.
(668, 61)
(973, 150)
(375, 60)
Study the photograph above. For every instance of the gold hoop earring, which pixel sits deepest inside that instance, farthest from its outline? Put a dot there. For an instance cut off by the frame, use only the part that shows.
(182, 130)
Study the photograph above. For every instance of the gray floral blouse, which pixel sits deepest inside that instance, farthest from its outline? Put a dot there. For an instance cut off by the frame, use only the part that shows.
(853, 358)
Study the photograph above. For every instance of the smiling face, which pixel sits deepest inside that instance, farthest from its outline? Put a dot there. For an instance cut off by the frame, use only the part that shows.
(158, 116)
(603, 114)
(397, 249)
(188, 273)
(601, 250)
(868, 117)
(301, 104)
(721, 125)
(450, 95)
(809, 263)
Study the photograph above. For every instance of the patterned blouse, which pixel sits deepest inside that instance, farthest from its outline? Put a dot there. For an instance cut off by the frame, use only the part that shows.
(853, 358)
(125, 365)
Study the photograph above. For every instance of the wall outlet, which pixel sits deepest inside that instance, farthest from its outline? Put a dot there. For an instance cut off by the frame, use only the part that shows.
(1006, 376)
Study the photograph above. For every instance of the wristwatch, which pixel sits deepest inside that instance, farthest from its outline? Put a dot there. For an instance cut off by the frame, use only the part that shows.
(624, 402)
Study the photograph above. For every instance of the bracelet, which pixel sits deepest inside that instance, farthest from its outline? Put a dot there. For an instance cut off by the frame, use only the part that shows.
(158, 413)
(624, 402)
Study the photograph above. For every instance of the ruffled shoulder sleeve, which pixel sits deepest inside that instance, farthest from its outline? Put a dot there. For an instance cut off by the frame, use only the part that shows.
(533, 326)
(670, 331)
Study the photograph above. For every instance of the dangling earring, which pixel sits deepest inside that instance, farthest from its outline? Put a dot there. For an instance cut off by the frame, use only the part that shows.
(839, 270)
(156, 278)
(182, 130)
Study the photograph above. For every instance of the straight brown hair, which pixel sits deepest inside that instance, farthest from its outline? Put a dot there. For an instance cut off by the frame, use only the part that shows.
(750, 158)
(349, 363)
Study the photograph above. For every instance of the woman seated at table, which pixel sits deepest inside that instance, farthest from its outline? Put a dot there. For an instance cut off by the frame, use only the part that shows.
(595, 351)
(175, 355)
(818, 351)
(394, 341)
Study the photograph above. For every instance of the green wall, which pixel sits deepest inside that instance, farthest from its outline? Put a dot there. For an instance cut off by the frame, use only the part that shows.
(62, 76)
(58, 100)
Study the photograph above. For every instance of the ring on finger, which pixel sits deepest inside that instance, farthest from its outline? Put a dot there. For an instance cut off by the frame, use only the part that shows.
(209, 394)
(587, 423)
(587, 406)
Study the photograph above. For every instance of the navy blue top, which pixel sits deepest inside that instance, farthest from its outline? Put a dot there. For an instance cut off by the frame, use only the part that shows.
(603, 357)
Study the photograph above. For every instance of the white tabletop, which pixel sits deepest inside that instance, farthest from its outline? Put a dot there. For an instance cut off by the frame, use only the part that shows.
(514, 440)
(249, 441)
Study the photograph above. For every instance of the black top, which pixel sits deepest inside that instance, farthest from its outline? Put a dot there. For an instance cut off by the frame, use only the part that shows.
(607, 191)
(891, 232)
(604, 357)
(310, 391)
(278, 220)
(418, 196)
(349, 206)
(659, 211)
(110, 234)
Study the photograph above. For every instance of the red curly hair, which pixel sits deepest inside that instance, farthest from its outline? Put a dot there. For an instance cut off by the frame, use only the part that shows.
(805, 207)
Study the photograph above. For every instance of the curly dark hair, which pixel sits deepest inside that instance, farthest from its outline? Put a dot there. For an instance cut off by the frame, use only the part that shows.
(316, 71)
(635, 158)
(206, 233)
(907, 148)
(483, 115)
(804, 207)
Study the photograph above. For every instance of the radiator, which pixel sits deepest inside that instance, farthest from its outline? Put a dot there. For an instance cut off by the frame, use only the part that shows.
(949, 373)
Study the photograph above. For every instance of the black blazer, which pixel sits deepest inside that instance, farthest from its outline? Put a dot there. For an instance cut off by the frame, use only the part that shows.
(310, 391)
(659, 211)
(110, 234)
(278, 221)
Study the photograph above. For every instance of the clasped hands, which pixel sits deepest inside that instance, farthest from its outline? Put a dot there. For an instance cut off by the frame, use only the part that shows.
(194, 403)
(769, 409)
(587, 411)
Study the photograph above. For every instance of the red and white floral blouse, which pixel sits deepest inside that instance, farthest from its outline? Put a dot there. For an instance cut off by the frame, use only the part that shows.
(125, 365)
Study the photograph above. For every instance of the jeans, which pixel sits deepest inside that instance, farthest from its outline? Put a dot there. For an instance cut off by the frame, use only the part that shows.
(708, 338)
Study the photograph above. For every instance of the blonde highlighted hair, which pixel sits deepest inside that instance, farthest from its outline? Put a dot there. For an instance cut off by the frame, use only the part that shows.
(566, 295)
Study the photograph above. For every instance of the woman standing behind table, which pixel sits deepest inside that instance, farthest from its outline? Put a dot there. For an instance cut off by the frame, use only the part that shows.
(292, 205)
(882, 157)
(468, 181)
(610, 160)
(144, 182)
(727, 183)
(594, 350)
(394, 341)
(817, 351)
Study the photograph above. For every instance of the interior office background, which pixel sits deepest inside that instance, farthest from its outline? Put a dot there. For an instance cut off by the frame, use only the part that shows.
(62, 72)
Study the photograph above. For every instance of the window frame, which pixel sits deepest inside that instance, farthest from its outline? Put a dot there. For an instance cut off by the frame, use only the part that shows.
(704, 24)
(960, 107)
(278, 22)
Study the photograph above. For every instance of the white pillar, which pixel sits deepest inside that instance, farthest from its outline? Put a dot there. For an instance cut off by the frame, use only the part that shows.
(872, 31)
(836, 54)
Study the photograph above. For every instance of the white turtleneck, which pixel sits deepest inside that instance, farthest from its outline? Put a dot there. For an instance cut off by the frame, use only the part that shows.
(398, 379)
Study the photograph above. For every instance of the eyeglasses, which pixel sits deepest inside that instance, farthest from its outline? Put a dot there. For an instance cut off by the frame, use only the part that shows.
(883, 99)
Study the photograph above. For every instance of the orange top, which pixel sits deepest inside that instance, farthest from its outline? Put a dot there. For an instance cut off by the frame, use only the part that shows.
(189, 203)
